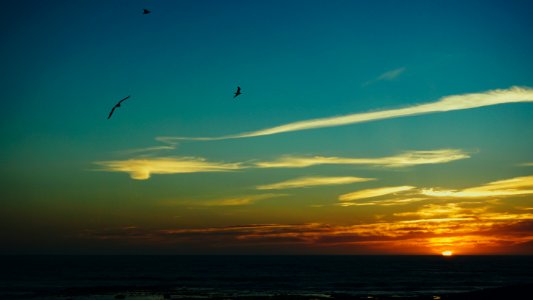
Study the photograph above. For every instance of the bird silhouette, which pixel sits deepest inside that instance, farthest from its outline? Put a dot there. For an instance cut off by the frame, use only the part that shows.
(114, 107)
(238, 92)
(145, 11)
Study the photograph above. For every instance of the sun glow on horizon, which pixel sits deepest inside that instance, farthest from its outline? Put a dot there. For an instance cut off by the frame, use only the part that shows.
(447, 253)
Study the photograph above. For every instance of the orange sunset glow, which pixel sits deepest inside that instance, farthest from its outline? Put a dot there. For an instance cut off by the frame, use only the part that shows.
(271, 150)
(203, 127)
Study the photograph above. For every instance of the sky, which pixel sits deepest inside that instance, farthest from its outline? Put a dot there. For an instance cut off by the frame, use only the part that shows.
(364, 127)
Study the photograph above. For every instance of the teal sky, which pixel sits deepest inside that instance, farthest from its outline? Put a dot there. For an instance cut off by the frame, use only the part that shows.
(65, 64)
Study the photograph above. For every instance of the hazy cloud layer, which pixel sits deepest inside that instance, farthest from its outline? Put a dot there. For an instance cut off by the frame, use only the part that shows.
(466, 227)
(462, 230)
(311, 181)
(448, 103)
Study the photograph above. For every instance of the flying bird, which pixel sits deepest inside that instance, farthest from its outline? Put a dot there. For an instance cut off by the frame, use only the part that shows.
(238, 92)
(145, 11)
(114, 107)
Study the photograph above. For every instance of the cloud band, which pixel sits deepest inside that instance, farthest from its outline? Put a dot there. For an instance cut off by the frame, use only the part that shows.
(448, 103)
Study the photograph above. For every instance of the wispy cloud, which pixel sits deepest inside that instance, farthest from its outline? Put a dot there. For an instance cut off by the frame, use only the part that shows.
(311, 181)
(528, 164)
(143, 168)
(389, 75)
(392, 74)
(405, 159)
(386, 202)
(370, 193)
(509, 187)
(148, 149)
(448, 103)
(242, 200)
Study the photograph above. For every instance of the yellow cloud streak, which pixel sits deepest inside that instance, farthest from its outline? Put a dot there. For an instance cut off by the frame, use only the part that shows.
(440, 210)
(502, 188)
(230, 201)
(448, 103)
(243, 200)
(405, 159)
(370, 193)
(388, 202)
(143, 168)
(311, 181)
(509, 187)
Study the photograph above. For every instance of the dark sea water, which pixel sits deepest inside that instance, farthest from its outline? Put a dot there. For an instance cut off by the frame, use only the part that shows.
(152, 277)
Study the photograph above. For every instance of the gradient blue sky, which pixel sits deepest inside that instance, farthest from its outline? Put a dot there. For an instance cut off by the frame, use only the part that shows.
(65, 64)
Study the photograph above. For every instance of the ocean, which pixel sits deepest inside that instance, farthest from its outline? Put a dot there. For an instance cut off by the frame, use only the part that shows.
(227, 277)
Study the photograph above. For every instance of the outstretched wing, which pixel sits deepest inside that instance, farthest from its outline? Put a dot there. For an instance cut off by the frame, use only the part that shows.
(123, 100)
(238, 92)
(111, 112)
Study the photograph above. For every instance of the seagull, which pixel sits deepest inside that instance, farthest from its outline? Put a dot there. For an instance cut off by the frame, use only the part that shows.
(116, 105)
(145, 11)
(238, 92)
